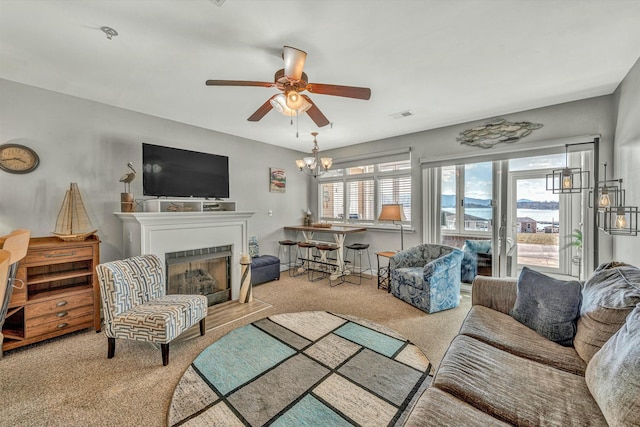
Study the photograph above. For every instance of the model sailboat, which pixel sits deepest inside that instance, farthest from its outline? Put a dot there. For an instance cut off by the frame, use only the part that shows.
(73, 223)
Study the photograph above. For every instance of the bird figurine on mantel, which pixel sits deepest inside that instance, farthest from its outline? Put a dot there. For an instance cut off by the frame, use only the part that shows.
(128, 177)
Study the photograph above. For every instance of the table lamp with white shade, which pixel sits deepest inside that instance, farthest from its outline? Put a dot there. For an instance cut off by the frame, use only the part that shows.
(394, 212)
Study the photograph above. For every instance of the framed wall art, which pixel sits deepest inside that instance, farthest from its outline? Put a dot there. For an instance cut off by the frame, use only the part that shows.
(277, 180)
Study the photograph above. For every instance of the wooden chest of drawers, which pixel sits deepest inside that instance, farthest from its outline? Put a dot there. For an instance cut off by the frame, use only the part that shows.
(57, 291)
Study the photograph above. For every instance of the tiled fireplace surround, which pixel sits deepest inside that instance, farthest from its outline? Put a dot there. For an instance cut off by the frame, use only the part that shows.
(163, 232)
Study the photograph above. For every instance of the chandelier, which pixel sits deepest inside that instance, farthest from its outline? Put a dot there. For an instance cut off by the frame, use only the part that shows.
(314, 165)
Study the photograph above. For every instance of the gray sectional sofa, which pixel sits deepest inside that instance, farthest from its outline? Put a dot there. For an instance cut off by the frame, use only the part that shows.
(499, 372)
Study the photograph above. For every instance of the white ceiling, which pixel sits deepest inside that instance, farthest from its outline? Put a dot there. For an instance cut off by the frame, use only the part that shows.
(447, 61)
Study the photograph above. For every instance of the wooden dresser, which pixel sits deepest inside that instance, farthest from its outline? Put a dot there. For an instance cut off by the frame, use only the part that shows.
(57, 291)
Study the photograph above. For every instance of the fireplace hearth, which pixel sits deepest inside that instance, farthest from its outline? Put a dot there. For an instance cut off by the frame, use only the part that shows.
(163, 232)
(204, 271)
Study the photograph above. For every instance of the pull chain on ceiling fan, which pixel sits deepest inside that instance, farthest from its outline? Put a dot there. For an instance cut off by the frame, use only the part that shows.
(291, 80)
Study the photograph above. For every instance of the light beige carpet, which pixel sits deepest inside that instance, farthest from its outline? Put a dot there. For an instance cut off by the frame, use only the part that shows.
(70, 382)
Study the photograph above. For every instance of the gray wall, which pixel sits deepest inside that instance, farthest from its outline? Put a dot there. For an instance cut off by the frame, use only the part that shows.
(90, 143)
(627, 155)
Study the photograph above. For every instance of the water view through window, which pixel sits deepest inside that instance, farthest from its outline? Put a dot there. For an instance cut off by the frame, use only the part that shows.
(534, 214)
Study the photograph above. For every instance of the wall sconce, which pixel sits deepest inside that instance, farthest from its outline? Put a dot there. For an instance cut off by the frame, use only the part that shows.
(619, 220)
(568, 180)
(607, 192)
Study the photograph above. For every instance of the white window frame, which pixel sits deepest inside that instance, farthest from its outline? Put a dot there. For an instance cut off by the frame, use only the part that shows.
(375, 176)
(431, 187)
(460, 209)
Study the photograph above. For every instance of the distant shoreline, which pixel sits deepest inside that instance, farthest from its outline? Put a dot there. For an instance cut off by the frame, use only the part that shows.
(542, 216)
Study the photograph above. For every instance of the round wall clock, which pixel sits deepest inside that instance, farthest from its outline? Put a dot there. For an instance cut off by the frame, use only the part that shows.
(15, 158)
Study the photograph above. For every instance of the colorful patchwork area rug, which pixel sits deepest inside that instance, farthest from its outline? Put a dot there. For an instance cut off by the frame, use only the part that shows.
(302, 369)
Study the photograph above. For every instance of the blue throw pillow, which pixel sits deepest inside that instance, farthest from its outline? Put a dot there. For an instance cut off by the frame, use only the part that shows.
(478, 246)
(254, 248)
(549, 306)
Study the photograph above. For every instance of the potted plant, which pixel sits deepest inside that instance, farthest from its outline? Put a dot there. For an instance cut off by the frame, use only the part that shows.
(576, 241)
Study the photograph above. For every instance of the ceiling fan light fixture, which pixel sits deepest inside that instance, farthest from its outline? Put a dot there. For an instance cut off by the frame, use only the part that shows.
(294, 100)
(279, 103)
(292, 81)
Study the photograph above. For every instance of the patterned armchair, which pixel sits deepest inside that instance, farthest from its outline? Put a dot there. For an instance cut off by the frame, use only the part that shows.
(135, 305)
(427, 276)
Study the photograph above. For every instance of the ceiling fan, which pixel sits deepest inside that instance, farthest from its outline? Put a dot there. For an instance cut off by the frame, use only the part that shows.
(291, 80)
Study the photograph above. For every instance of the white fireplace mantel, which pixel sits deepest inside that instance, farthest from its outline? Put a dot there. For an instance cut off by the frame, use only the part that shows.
(162, 232)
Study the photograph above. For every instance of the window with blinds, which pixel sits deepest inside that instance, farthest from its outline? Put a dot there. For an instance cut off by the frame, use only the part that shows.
(395, 190)
(360, 199)
(356, 193)
(332, 195)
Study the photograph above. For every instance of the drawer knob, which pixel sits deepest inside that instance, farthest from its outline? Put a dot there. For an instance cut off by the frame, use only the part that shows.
(61, 303)
(62, 313)
(60, 255)
(62, 325)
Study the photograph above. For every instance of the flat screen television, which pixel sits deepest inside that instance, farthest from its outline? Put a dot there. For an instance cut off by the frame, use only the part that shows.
(173, 172)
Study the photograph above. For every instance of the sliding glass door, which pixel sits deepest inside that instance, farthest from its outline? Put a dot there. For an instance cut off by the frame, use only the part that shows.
(539, 221)
(535, 223)
(501, 214)
(466, 214)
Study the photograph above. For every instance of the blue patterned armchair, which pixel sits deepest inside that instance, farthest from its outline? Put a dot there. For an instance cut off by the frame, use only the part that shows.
(135, 306)
(427, 276)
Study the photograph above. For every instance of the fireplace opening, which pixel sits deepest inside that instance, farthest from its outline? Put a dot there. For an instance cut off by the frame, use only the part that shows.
(205, 271)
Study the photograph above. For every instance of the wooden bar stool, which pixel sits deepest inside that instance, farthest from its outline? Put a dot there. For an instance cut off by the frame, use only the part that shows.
(287, 245)
(357, 249)
(305, 256)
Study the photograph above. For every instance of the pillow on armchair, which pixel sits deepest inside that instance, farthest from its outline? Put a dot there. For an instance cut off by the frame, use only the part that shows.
(471, 249)
(477, 246)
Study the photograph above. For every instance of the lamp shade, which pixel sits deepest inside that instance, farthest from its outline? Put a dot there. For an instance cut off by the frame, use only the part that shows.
(392, 212)
(294, 100)
(279, 103)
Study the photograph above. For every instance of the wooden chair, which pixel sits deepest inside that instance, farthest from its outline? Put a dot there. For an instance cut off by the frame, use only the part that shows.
(135, 306)
(15, 244)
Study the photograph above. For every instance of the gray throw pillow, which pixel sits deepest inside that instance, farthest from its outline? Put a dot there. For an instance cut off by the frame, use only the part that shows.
(608, 296)
(613, 374)
(548, 306)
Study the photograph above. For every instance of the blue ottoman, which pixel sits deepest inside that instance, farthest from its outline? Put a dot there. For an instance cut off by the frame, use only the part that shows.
(265, 268)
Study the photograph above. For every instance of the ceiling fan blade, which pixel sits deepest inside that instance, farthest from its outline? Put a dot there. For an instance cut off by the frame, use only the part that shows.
(262, 111)
(335, 90)
(238, 83)
(315, 113)
(293, 62)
